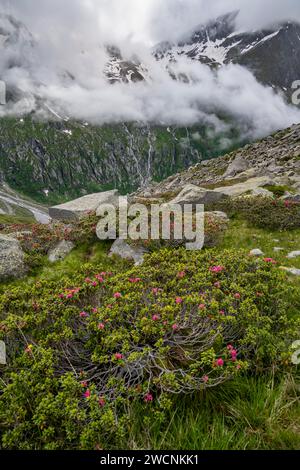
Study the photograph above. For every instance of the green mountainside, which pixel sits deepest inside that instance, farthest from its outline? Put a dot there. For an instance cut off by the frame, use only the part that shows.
(69, 159)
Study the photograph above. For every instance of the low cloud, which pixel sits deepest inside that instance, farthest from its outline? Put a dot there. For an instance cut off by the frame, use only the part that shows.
(65, 66)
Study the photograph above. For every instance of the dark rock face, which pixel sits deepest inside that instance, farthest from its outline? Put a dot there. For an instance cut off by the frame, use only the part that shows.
(270, 161)
(272, 54)
(56, 161)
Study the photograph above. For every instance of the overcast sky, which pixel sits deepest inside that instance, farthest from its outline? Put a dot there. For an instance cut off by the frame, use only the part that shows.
(148, 21)
(69, 37)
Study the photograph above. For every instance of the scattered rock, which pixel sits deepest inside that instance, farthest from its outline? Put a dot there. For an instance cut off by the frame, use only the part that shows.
(262, 192)
(78, 208)
(218, 215)
(238, 165)
(61, 250)
(293, 254)
(2, 353)
(125, 251)
(192, 194)
(294, 271)
(292, 197)
(247, 186)
(256, 252)
(277, 249)
(12, 262)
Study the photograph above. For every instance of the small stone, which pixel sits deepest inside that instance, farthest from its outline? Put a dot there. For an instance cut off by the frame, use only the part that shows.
(293, 254)
(256, 252)
(125, 251)
(2, 353)
(294, 271)
(60, 251)
(277, 249)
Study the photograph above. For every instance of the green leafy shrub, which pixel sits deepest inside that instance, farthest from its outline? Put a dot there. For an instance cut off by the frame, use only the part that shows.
(278, 191)
(263, 212)
(214, 230)
(37, 239)
(81, 350)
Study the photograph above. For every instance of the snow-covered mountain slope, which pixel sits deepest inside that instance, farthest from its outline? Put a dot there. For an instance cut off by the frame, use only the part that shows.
(119, 70)
(272, 54)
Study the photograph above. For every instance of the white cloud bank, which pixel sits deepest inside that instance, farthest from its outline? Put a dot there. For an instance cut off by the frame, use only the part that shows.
(71, 35)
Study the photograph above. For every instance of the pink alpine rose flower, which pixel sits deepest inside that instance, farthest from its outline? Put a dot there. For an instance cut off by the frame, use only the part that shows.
(219, 362)
(178, 300)
(216, 269)
(117, 295)
(118, 356)
(270, 260)
(148, 398)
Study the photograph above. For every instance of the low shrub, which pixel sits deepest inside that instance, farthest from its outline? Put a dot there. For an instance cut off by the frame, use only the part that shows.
(37, 239)
(81, 350)
(214, 231)
(263, 212)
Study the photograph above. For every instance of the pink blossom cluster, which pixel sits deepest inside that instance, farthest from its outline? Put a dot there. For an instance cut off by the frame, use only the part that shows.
(216, 269)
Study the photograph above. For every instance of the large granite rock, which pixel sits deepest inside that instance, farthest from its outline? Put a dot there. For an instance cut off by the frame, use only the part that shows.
(60, 251)
(238, 165)
(12, 262)
(192, 194)
(78, 208)
(247, 186)
(125, 251)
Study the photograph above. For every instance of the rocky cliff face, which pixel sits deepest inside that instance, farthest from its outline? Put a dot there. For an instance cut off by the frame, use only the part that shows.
(272, 54)
(275, 159)
(59, 160)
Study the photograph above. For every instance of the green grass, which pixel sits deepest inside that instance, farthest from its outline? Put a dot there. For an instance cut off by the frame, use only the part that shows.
(240, 235)
(248, 413)
(16, 219)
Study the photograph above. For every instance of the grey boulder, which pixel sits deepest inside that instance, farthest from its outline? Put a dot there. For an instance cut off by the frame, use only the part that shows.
(293, 271)
(293, 254)
(238, 165)
(128, 252)
(60, 251)
(12, 260)
(81, 207)
(192, 194)
(256, 252)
